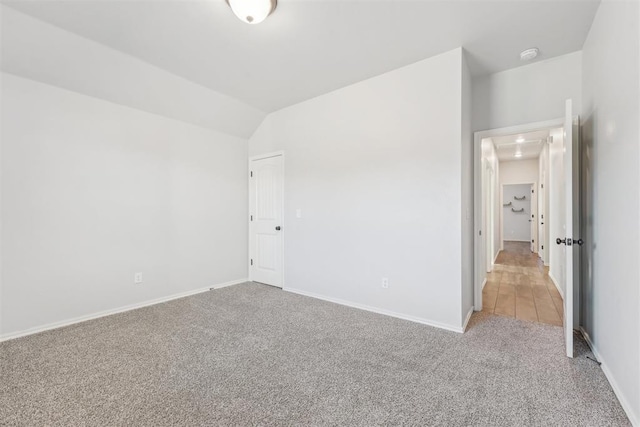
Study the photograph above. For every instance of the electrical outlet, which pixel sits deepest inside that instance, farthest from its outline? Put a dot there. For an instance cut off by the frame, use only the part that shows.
(137, 278)
(385, 282)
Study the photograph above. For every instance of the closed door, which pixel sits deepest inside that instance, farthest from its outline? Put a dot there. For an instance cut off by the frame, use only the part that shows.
(265, 222)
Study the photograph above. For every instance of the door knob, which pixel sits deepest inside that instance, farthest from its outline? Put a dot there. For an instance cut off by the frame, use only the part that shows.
(560, 241)
(278, 228)
(579, 242)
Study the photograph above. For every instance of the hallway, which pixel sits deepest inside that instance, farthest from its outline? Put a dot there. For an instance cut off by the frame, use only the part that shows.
(519, 286)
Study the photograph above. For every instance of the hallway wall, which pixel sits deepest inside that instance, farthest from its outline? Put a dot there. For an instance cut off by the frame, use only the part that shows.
(515, 225)
(556, 223)
(611, 132)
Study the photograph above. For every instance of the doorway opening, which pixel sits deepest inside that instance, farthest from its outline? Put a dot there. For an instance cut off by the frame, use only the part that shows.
(525, 190)
(518, 282)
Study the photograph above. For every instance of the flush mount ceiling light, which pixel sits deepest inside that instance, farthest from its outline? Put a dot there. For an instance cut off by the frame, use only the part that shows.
(520, 139)
(529, 54)
(518, 154)
(252, 11)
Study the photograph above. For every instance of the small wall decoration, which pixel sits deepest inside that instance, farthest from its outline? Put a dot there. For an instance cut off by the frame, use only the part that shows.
(520, 198)
(506, 205)
(517, 210)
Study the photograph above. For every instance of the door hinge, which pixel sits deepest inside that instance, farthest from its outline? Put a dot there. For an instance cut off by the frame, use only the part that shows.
(533, 191)
(543, 247)
(251, 262)
(251, 217)
(533, 241)
(251, 174)
(541, 185)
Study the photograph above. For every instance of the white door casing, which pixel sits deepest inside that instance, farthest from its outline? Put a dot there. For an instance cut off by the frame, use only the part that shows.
(479, 243)
(266, 239)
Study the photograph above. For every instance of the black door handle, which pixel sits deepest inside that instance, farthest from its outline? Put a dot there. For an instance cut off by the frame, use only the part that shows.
(569, 241)
(278, 228)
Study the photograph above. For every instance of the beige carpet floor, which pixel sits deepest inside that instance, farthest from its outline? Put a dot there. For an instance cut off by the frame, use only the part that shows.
(254, 355)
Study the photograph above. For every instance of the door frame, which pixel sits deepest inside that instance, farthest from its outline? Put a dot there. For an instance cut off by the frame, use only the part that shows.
(479, 250)
(249, 222)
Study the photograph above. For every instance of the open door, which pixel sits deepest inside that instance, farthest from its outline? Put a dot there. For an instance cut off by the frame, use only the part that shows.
(571, 240)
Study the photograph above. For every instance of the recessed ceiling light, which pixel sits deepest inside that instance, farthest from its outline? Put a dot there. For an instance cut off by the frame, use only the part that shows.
(252, 11)
(520, 139)
(529, 54)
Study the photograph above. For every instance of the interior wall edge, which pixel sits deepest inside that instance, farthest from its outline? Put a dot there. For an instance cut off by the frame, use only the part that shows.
(129, 307)
(415, 319)
(628, 408)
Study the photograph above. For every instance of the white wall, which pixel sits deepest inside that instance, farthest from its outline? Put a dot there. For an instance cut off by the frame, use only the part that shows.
(612, 135)
(515, 172)
(40, 51)
(543, 201)
(490, 178)
(519, 171)
(527, 94)
(467, 193)
(92, 192)
(557, 218)
(516, 225)
(376, 170)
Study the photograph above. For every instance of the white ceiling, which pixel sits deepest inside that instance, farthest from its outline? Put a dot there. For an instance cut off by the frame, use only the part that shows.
(307, 48)
(507, 146)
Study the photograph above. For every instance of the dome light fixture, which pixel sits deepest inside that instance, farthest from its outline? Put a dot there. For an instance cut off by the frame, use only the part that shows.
(529, 54)
(520, 140)
(252, 11)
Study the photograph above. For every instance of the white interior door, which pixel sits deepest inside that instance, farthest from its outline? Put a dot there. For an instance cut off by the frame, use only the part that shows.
(571, 191)
(266, 218)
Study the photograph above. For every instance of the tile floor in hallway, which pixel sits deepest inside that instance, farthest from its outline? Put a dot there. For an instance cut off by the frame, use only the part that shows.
(519, 286)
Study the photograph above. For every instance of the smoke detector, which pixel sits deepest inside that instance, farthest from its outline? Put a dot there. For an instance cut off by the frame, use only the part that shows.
(529, 54)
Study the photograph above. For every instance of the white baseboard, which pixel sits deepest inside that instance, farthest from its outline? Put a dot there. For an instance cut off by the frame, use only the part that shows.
(519, 241)
(377, 310)
(555, 282)
(466, 321)
(484, 282)
(628, 409)
(495, 258)
(55, 325)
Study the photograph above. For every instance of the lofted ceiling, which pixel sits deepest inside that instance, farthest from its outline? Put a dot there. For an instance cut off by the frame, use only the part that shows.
(308, 48)
(529, 145)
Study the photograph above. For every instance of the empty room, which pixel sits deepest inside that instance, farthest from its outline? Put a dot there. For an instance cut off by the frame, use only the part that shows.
(304, 212)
